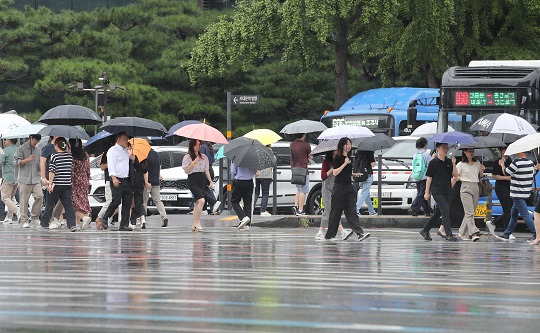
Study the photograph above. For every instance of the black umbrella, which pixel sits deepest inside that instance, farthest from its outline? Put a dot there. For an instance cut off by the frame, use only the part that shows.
(70, 115)
(68, 132)
(134, 126)
(506, 137)
(249, 153)
(485, 142)
(373, 143)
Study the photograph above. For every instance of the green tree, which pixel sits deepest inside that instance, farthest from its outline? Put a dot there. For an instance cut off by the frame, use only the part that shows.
(292, 29)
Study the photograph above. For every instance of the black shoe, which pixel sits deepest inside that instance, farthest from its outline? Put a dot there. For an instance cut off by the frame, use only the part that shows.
(300, 213)
(426, 235)
(294, 210)
(451, 239)
(412, 212)
(112, 222)
(441, 234)
(133, 222)
(143, 225)
(165, 222)
(363, 236)
(428, 214)
(125, 229)
(104, 225)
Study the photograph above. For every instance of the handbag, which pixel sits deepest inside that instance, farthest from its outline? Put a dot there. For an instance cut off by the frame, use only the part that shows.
(485, 186)
(298, 176)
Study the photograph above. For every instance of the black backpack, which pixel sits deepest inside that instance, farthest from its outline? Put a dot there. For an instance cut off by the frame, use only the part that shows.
(361, 165)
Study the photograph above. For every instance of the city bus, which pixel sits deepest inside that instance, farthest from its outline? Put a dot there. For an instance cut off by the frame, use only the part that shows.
(484, 87)
(387, 110)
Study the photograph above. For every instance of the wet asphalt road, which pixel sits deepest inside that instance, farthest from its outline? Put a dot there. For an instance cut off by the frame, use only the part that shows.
(263, 280)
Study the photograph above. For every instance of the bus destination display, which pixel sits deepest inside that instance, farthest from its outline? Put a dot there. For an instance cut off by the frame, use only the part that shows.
(485, 98)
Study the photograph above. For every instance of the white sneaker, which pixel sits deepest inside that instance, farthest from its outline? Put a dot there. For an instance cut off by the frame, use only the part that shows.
(53, 226)
(244, 221)
(511, 237)
(26, 225)
(7, 221)
(491, 227)
(86, 222)
(215, 208)
(34, 223)
(56, 223)
(246, 228)
(265, 214)
(320, 235)
(204, 212)
(345, 234)
(63, 222)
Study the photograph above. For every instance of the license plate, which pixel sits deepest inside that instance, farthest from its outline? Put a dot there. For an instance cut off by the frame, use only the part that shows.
(168, 197)
(383, 194)
(481, 210)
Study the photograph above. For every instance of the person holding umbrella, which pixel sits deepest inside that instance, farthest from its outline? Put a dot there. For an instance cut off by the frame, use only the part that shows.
(344, 194)
(242, 191)
(80, 177)
(196, 166)
(439, 173)
(502, 190)
(60, 185)
(300, 155)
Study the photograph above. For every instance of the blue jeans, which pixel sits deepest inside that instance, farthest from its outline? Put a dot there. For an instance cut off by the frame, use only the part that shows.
(364, 196)
(519, 206)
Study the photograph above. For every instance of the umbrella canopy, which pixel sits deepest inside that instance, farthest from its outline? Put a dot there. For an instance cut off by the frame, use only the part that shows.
(249, 153)
(23, 131)
(377, 142)
(453, 138)
(10, 121)
(134, 126)
(526, 143)
(349, 131)
(70, 115)
(428, 129)
(503, 123)
(506, 137)
(181, 124)
(325, 146)
(68, 132)
(95, 145)
(265, 136)
(140, 148)
(485, 142)
(303, 126)
(201, 132)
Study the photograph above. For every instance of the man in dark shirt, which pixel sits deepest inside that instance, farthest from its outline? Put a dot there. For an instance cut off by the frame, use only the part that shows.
(439, 176)
(300, 155)
(502, 189)
(152, 186)
(365, 186)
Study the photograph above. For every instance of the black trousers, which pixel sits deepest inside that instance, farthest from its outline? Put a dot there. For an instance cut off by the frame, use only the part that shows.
(64, 194)
(506, 204)
(138, 209)
(442, 208)
(343, 201)
(419, 201)
(120, 195)
(242, 190)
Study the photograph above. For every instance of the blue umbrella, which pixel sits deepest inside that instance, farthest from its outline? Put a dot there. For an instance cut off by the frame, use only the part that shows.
(180, 125)
(95, 143)
(453, 138)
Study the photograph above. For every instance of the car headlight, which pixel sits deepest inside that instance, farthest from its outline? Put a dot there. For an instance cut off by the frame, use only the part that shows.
(411, 183)
(99, 176)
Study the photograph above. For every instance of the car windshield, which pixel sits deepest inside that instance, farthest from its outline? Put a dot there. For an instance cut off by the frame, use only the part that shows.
(403, 151)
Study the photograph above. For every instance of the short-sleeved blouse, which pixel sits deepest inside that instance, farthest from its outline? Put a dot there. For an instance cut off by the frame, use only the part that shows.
(468, 173)
(202, 166)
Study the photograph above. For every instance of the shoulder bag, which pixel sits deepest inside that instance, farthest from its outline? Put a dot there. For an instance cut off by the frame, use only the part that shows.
(485, 186)
(298, 176)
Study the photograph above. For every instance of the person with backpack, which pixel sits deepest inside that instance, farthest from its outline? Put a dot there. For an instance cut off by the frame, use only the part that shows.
(420, 162)
(364, 164)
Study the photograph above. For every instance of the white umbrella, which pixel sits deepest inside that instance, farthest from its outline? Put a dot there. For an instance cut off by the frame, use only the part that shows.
(303, 126)
(428, 129)
(23, 131)
(526, 143)
(503, 123)
(349, 131)
(10, 121)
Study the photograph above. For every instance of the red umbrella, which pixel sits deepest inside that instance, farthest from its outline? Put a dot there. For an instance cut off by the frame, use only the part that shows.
(201, 132)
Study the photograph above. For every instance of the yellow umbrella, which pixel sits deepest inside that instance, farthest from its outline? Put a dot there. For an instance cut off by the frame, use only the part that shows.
(140, 148)
(265, 136)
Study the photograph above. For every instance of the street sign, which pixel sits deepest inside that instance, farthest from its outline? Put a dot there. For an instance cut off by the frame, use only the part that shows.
(245, 99)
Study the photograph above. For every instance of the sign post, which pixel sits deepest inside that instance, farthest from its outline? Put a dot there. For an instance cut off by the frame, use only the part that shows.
(235, 100)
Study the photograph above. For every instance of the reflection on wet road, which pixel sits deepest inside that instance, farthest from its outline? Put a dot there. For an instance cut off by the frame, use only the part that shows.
(264, 280)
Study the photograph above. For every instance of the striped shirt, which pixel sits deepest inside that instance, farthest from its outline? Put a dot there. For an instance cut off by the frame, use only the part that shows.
(61, 165)
(522, 172)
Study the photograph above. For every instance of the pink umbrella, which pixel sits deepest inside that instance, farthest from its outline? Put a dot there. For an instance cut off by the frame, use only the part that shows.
(201, 132)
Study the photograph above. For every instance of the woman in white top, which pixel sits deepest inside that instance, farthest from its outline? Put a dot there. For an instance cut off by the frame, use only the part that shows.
(470, 171)
(197, 166)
